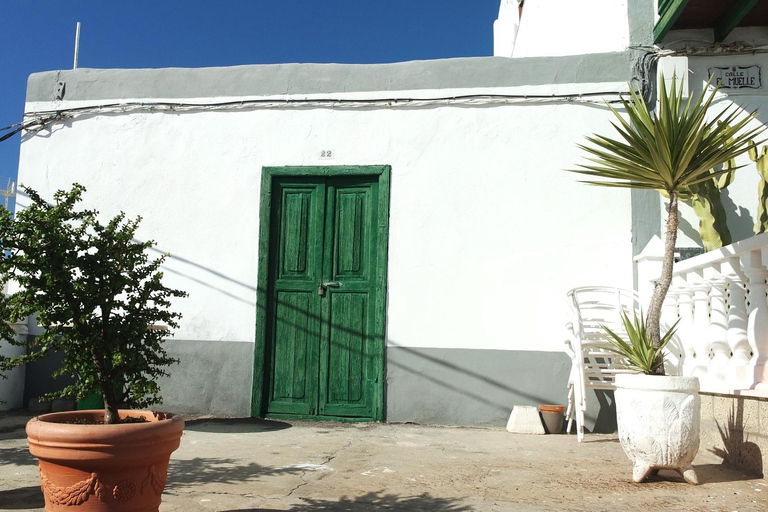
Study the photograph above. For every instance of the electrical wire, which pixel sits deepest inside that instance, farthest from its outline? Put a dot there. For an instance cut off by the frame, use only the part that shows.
(11, 126)
(19, 127)
(39, 119)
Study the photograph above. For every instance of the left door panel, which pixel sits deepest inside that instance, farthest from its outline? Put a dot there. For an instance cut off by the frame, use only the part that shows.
(295, 306)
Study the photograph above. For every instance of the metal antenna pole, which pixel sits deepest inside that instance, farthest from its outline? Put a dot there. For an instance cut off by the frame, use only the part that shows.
(77, 44)
(10, 191)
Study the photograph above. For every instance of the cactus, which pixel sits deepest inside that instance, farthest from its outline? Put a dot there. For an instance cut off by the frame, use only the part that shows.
(761, 161)
(705, 200)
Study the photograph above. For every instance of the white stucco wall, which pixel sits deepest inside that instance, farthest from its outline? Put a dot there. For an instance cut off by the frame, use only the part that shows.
(487, 232)
(564, 27)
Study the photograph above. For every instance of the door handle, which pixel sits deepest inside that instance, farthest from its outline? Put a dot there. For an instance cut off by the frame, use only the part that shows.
(328, 284)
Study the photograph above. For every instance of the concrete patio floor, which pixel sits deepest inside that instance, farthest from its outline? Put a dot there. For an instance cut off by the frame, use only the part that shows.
(253, 465)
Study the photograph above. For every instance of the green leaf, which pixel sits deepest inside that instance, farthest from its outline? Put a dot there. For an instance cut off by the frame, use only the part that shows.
(638, 349)
(672, 149)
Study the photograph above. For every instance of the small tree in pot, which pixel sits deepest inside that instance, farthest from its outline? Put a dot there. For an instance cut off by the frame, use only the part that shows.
(95, 291)
(672, 150)
(103, 305)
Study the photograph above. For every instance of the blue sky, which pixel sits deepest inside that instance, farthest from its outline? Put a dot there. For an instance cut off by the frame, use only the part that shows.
(38, 35)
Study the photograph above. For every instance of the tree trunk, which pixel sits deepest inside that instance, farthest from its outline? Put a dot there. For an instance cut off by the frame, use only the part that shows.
(107, 384)
(653, 320)
(110, 404)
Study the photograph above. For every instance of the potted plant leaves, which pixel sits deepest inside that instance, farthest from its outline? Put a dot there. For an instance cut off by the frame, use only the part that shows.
(103, 305)
(671, 150)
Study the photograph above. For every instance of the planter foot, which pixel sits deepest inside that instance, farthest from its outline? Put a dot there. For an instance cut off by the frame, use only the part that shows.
(689, 475)
(640, 472)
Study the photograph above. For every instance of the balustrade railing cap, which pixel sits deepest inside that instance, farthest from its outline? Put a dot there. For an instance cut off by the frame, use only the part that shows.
(718, 255)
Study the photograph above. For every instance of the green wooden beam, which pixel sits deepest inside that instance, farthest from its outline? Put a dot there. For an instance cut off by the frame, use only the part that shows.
(664, 6)
(668, 19)
(736, 13)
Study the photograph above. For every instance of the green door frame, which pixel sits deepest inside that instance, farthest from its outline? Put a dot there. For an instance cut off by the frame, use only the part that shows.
(260, 372)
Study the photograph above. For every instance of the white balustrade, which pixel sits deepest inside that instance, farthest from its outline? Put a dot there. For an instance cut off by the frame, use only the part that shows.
(685, 327)
(757, 321)
(673, 363)
(718, 324)
(741, 351)
(701, 358)
(720, 300)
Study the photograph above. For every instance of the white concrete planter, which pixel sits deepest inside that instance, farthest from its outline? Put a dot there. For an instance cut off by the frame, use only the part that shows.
(658, 419)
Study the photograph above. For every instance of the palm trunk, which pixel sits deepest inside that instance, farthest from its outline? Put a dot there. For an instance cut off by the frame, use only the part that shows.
(653, 320)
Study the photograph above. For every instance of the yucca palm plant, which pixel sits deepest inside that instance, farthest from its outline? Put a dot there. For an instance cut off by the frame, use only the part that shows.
(637, 349)
(671, 150)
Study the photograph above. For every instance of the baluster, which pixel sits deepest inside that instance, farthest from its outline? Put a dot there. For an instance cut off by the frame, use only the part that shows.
(700, 324)
(685, 327)
(673, 362)
(741, 352)
(718, 325)
(757, 322)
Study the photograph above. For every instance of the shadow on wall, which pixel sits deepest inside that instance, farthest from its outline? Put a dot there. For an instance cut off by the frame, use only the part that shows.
(436, 372)
(374, 501)
(438, 375)
(740, 221)
(446, 376)
(737, 450)
(485, 390)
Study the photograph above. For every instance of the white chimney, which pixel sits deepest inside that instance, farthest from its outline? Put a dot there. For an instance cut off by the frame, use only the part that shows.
(505, 28)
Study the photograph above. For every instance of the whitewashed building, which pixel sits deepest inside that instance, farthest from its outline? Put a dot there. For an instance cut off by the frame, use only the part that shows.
(388, 241)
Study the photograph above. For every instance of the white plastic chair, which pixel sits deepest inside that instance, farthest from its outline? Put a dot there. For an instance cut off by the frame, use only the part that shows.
(592, 365)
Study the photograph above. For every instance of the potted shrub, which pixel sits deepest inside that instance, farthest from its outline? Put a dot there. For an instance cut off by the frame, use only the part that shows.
(671, 150)
(103, 305)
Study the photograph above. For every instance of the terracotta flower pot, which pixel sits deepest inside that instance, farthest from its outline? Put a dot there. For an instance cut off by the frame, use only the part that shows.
(553, 417)
(103, 467)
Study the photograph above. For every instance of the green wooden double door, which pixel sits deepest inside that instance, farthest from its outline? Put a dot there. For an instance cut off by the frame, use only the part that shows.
(325, 297)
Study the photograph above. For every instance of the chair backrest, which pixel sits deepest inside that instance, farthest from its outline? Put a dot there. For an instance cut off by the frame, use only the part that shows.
(593, 307)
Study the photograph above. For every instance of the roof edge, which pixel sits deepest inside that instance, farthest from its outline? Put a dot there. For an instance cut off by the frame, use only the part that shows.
(85, 84)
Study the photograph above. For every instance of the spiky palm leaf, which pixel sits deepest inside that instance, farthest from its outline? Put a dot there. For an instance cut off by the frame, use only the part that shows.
(669, 150)
(638, 349)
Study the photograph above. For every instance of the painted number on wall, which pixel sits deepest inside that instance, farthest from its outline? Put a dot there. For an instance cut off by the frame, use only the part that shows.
(327, 153)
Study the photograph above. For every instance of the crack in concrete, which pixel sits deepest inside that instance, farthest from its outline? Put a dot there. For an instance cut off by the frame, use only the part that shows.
(177, 492)
(302, 476)
(327, 460)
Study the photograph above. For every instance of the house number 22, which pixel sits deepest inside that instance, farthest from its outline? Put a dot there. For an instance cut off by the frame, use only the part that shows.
(326, 153)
